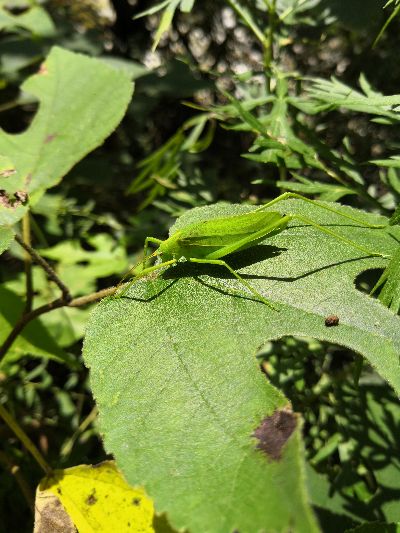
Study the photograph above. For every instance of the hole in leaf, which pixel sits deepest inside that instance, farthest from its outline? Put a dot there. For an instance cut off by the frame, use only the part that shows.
(365, 281)
(18, 119)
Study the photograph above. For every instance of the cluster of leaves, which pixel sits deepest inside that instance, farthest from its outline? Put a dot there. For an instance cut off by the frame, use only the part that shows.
(310, 442)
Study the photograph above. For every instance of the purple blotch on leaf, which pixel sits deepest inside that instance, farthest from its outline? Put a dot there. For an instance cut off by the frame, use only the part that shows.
(274, 431)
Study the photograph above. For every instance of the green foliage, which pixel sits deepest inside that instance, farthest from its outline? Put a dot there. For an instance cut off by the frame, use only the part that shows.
(80, 268)
(160, 170)
(176, 361)
(6, 237)
(390, 280)
(353, 428)
(332, 94)
(394, 13)
(169, 7)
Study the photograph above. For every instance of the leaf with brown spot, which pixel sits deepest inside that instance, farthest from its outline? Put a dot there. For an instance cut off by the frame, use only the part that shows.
(98, 499)
(42, 157)
(50, 515)
(178, 387)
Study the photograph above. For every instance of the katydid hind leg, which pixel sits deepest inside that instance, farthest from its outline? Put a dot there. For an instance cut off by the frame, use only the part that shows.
(338, 237)
(237, 276)
(287, 195)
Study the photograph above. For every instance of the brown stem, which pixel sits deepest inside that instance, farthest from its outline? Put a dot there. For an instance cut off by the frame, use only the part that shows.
(55, 304)
(46, 267)
(25, 319)
(84, 300)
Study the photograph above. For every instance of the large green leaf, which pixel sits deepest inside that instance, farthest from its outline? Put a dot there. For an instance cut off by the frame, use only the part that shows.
(76, 113)
(180, 394)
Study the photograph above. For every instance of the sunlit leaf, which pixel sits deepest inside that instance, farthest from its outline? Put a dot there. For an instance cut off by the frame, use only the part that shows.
(98, 499)
(187, 396)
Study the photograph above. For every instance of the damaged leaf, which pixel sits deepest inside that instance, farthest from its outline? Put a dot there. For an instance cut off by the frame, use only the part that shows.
(98, 499)
(187, 395)
(68, 125)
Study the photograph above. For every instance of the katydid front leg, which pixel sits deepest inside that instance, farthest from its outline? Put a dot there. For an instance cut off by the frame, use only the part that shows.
(143, 273)
(146, 246)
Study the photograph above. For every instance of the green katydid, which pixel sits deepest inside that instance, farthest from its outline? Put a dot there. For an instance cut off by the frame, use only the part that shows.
(209, 241)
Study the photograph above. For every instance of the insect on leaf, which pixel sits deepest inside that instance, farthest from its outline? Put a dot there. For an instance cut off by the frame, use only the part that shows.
(187, 395)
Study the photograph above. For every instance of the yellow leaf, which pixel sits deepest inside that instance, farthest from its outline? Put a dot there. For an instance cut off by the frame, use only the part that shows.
(98, 499)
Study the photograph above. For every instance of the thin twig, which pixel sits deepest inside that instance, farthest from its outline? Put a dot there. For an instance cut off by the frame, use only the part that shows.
(55, 304)
(90, 298)
(24, 321)
(67, 448)
(26, 237)
(46, 267)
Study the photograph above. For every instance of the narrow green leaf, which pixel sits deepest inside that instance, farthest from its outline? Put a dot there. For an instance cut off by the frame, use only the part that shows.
(152, 10)
(375, 527)
(165, 22)
(394, 13)
(187, 6)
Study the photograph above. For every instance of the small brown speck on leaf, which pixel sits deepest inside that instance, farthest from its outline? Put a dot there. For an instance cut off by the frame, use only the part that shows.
(7, 172)
(331, 320)
(136, 501)
(91, 499)
(50, 138)
(274, 431)
(21, 196)
(43, 69)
